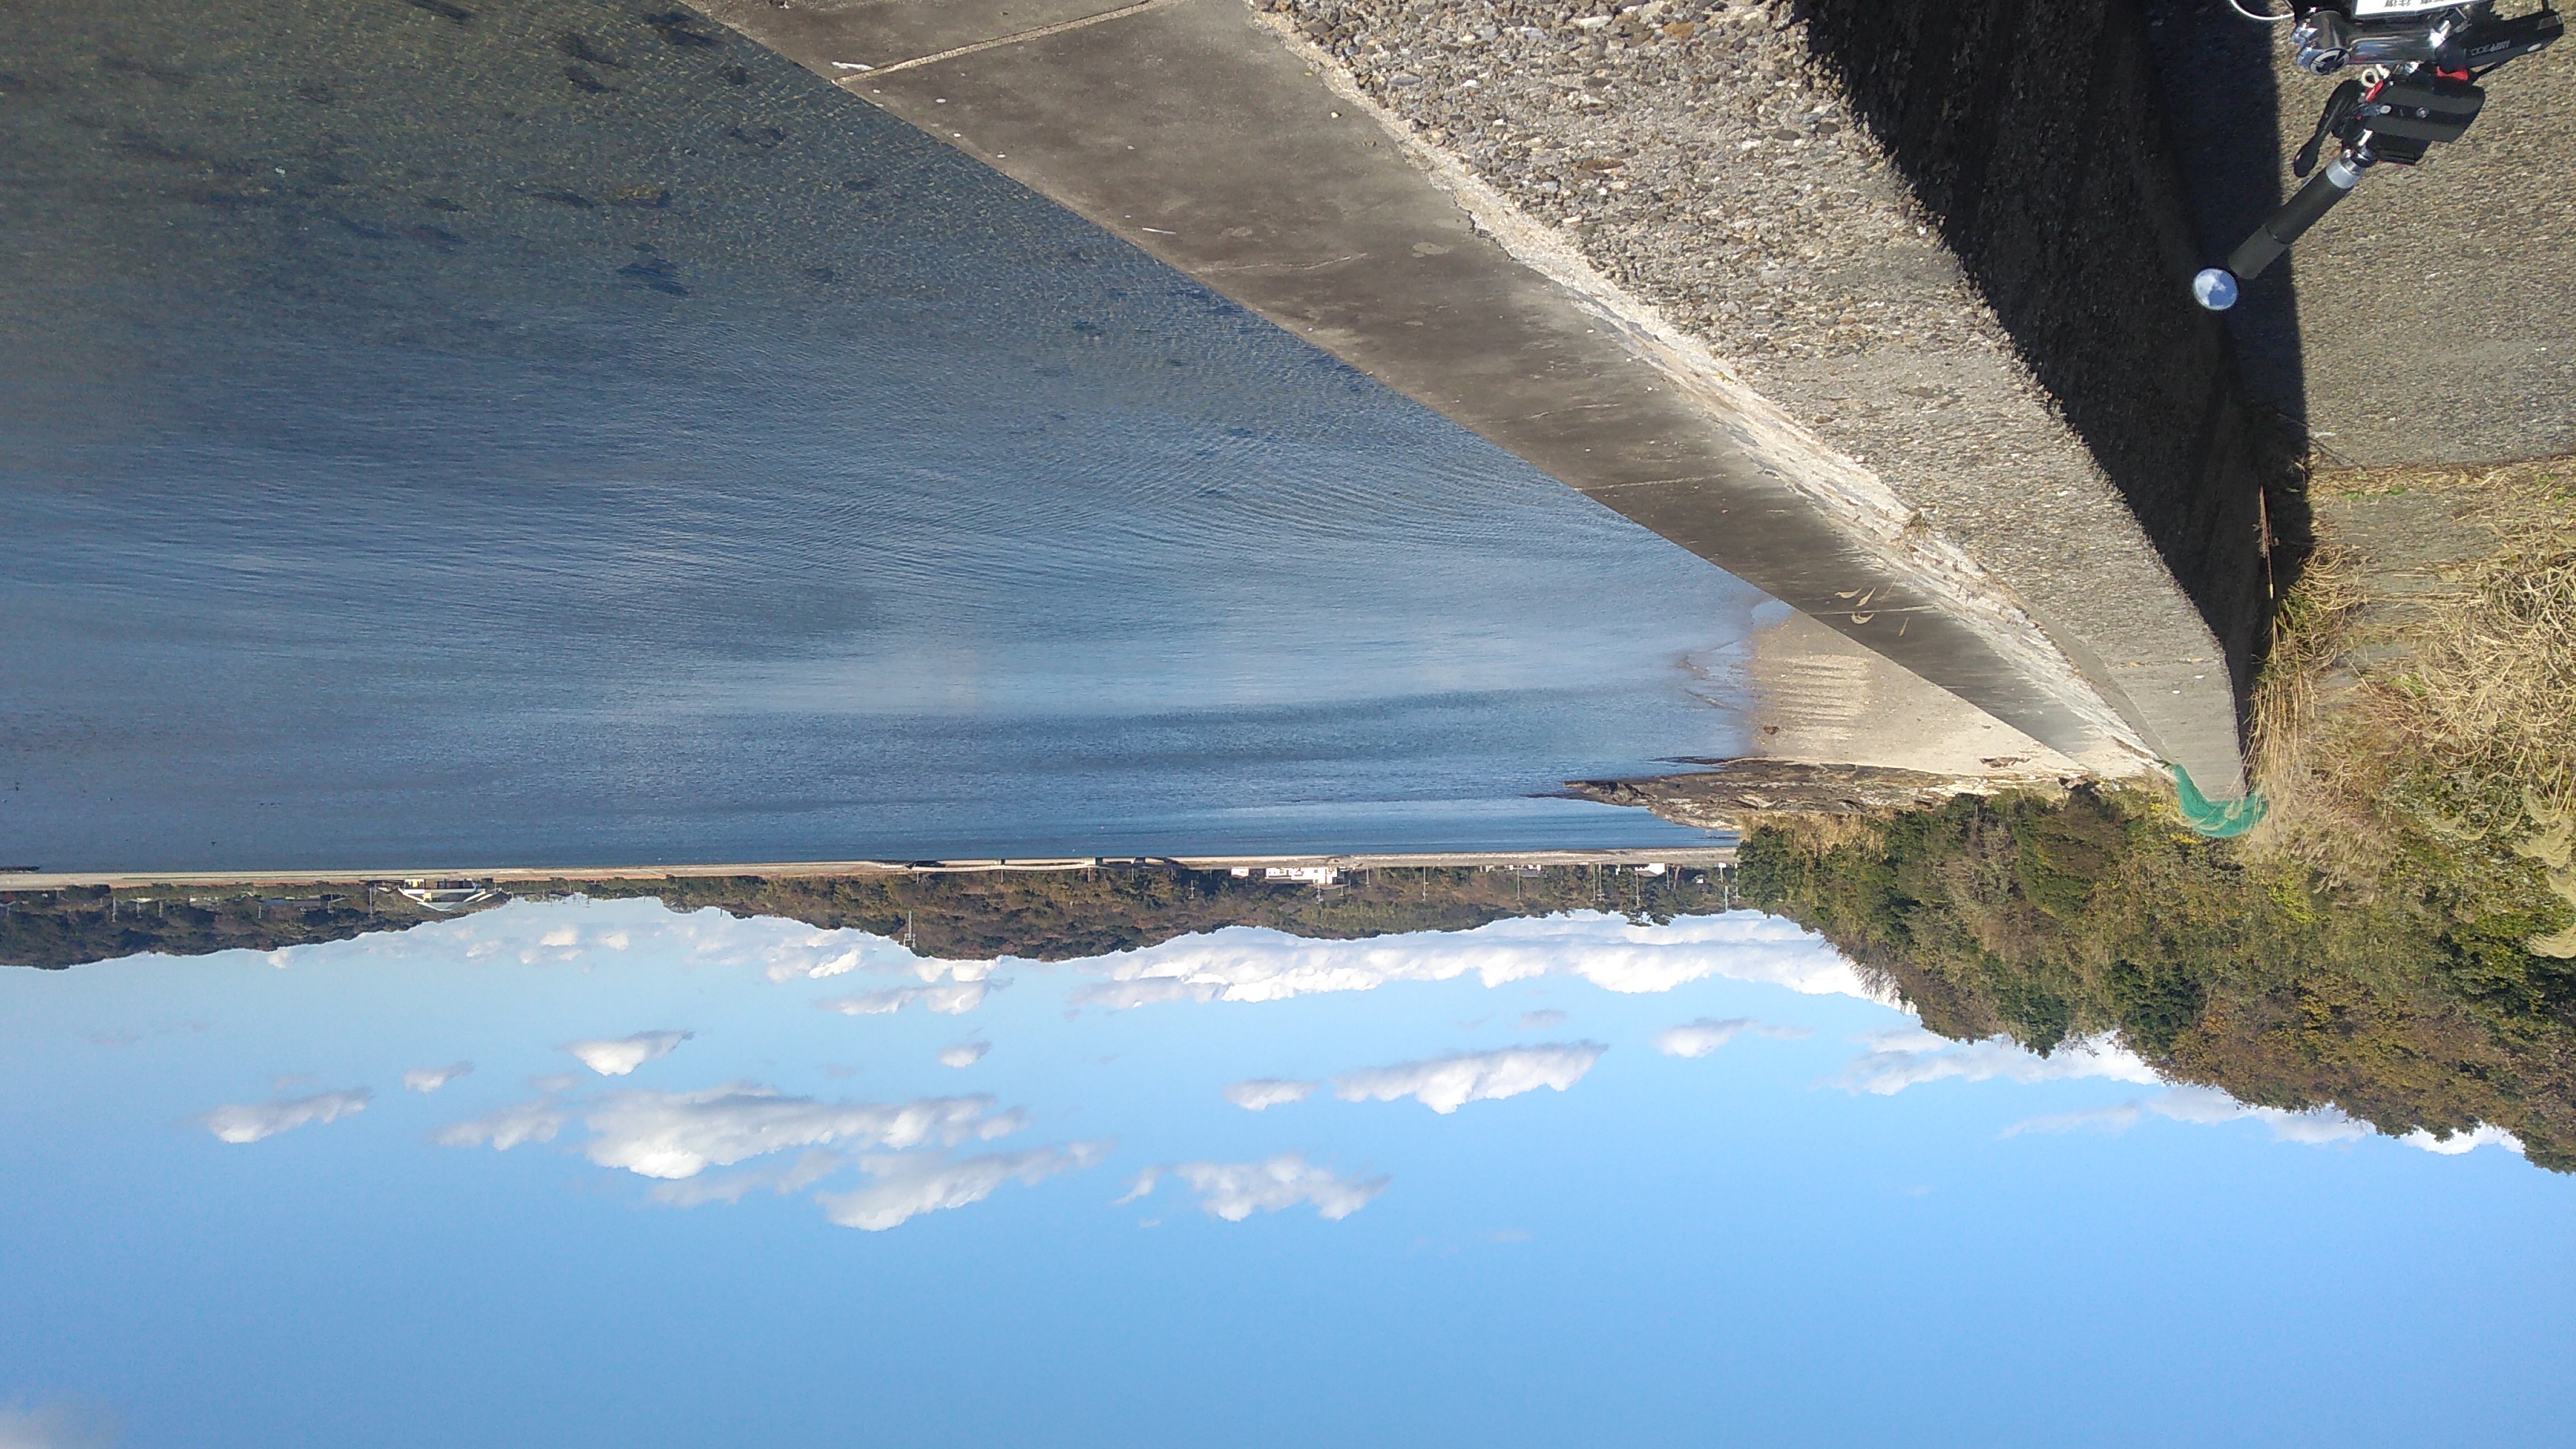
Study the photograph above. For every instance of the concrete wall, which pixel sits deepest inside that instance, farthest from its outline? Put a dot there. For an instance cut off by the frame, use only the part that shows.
(2034, 134)
(2073, 550)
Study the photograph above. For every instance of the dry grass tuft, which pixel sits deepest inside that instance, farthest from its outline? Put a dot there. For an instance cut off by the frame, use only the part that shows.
(2491, 692)
(2309, 630)
(2320, 751)
(2478, 696)
(1816, 832)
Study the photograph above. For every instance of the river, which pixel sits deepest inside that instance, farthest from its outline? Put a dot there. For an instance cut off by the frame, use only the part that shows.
(413, 454)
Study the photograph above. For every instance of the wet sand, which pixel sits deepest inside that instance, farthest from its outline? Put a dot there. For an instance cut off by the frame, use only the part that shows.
(1819, 699)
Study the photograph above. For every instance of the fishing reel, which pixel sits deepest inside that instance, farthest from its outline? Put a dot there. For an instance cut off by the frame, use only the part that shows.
(2415, 69)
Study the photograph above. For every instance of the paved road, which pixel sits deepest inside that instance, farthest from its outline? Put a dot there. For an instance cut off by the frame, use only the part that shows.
(2431, 318)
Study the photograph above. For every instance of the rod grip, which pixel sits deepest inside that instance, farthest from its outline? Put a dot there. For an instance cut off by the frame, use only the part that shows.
(2306, 206)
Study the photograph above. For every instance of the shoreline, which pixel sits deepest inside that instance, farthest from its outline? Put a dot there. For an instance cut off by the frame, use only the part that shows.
(1685, 856)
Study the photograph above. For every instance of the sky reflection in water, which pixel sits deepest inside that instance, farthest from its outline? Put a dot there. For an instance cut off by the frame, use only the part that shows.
(582, 1172)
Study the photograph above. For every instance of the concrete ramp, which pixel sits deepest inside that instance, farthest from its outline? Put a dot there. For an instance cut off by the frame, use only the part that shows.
(1224, 146)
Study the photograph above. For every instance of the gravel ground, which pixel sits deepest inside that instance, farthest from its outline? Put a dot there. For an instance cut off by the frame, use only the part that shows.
(1700, 158)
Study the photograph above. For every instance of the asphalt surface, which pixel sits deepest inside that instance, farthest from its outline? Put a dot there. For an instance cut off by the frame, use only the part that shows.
(2431, 318)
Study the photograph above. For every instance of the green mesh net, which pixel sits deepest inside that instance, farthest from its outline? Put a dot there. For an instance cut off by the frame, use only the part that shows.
(2217, 819)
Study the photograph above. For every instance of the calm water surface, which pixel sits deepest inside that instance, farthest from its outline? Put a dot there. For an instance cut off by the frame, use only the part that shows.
(410, 455)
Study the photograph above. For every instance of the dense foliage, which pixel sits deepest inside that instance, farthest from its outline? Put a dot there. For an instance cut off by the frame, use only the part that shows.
(2048, 919)
(977, 915)
(91, 923)
(1065, 915)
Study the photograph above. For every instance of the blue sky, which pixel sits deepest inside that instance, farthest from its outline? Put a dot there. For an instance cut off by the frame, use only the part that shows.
(1549, 1182)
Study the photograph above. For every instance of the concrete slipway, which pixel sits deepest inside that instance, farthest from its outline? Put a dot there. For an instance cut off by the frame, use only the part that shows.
(1227, 144)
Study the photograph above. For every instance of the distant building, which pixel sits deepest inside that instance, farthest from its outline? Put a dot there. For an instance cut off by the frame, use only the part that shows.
(447, 895)
(1310, 874)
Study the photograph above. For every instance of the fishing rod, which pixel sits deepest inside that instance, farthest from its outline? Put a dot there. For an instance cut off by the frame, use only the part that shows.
(2415, 67)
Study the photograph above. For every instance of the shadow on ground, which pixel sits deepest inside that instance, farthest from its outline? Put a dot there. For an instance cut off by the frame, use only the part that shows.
(2037, 137)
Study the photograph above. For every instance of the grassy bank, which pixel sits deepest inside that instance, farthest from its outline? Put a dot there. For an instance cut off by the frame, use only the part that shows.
(2418, 718)
(2245, 969)
(2395, 939)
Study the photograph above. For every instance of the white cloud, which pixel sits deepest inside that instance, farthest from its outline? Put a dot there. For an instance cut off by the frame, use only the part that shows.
(55, 1426)
(910, 1185)
(1699, 1038)
(1541, 1019)
(1234, 964)
(1141, 1184)
(954, 998)
(1236, 1190)
(782, 950)
(617, 1056)
(2203, 1106)
(791, 950)
(964, 1053)
(825, 954)
(2111, 1121)
(1242, 963)
(429, 1079)
(1263, 1093)
(1910, 1057)
(2459, 1142)
(1444, 1084)
(2208, 1106)
(536, 1121)
(680, 1134)
(832, 965)
(258, 1120)
(555, 1082)
(728, 1187)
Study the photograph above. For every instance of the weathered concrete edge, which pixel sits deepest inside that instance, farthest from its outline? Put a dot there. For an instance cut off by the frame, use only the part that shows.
(2173, 542)
(1471, 332)
(2030, 681)
(1854, 496)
